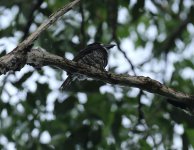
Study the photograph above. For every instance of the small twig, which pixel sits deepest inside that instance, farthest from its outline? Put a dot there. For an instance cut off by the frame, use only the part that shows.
(125, 55)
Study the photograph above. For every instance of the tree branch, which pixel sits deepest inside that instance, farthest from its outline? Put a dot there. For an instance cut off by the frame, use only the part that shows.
(16, 59)
(39, 58)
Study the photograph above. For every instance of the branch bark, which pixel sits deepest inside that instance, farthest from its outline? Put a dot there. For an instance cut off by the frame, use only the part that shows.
(39, 58)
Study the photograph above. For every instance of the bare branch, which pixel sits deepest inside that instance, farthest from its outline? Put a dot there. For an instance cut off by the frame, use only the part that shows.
(39, 58)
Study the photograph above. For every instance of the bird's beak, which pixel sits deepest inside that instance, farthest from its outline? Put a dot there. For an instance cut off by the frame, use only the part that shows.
(108, 46)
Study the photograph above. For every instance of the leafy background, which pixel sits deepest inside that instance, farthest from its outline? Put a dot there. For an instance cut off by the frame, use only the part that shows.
(153, 38)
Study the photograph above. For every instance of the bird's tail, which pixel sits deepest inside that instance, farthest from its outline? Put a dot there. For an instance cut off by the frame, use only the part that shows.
(66, 83)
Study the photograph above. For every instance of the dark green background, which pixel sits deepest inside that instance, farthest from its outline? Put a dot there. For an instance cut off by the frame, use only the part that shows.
(100, 122)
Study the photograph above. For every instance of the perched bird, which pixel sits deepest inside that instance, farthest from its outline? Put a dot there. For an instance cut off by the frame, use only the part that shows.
(95, 55)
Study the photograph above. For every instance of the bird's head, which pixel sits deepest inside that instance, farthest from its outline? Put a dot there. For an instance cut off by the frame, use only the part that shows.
(106, 46)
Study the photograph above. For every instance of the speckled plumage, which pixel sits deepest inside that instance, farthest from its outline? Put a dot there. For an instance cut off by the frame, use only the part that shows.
(95, 55)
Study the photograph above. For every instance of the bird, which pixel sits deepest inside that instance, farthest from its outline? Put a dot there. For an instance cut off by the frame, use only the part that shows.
(95, 54)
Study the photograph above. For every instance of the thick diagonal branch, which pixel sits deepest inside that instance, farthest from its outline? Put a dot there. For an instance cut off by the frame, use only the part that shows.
(16, 59)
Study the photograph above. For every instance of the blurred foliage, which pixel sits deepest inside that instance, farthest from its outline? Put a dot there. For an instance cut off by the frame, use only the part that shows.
(85, 117)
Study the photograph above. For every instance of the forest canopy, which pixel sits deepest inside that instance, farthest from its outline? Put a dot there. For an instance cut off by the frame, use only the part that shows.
(137, 103)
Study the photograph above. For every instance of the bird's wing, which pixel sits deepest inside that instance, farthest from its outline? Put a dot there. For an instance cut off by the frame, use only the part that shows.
(66, 83)
(87, 50)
